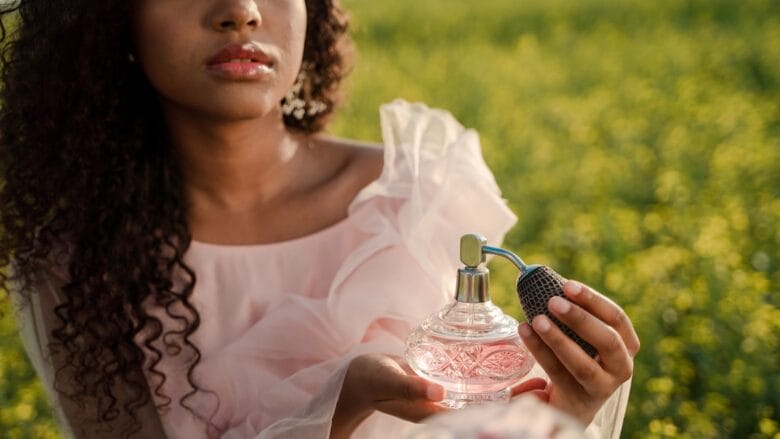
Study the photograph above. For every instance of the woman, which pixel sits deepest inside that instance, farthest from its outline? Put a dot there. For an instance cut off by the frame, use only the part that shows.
(195, 259)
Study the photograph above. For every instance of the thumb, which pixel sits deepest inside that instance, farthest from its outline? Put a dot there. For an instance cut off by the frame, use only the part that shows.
(529, 386)
(541, 395)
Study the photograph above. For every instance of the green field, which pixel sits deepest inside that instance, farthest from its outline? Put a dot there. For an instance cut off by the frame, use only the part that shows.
(639, 144)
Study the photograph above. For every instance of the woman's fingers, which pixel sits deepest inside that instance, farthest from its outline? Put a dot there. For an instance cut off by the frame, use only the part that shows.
(586, 371)
(391, 390)
(388, 381)
(541, 395)
(529, 386)
(606, 310)
(536, 387)
(581, 384)
(408, 388)
(414, 411)
(380, 382)
(610, 345)
(548, 360)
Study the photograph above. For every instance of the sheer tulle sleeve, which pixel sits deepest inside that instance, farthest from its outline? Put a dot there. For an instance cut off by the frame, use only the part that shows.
(608, 422)
(35, 319)
(34, 325)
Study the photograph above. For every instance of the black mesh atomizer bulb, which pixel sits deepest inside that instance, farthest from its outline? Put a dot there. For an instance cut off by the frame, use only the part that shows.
(536, 285)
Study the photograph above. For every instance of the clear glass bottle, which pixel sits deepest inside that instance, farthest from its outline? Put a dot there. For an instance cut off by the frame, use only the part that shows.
(470, 346)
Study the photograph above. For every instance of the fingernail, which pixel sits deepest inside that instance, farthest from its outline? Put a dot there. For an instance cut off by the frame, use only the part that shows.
(435, 392)
(559, 304)
(541, 323)
(525, 330)
(574, 288)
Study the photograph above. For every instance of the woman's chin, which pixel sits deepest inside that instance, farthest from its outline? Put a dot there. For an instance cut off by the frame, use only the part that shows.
(236, 110)
(242, 113)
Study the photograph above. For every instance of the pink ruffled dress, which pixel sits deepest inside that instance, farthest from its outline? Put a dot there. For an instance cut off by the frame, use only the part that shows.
(280, 322)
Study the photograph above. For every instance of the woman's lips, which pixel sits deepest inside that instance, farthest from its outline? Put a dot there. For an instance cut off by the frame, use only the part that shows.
(236, 61)
(240, 69)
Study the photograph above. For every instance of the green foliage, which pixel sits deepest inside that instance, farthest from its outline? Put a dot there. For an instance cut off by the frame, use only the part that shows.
(639, 144)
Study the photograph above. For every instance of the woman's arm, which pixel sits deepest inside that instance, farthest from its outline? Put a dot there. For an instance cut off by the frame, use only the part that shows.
(36, 320)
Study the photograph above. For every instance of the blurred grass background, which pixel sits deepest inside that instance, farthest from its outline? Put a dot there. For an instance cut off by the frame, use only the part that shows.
(639, 144)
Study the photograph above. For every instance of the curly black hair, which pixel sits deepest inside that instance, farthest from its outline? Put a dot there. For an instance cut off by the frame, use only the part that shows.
(88, 172)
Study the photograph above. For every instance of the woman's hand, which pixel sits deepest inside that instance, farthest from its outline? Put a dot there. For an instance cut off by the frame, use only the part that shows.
(384, 383)
(581, 384)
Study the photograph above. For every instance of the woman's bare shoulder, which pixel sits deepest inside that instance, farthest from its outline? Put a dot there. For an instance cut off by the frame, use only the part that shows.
(362, 149)
(364, 161)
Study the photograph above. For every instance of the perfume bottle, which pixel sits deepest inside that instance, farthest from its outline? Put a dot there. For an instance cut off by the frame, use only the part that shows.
(470, 346)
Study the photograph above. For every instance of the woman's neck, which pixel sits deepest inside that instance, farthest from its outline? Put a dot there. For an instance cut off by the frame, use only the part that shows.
(253, 181)
(236, 165)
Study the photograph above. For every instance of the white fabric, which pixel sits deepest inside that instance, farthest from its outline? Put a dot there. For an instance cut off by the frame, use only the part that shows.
(523, 418)
(35, 338)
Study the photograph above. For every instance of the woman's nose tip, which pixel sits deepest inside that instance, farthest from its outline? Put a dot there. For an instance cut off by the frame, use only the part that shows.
(238, 24)
(238, 16)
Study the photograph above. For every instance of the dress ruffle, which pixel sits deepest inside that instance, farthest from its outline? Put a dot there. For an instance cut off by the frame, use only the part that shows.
(434, 187)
